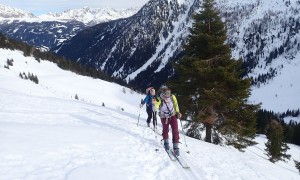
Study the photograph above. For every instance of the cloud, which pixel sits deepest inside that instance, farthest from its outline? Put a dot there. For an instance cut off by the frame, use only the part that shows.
(45, 6)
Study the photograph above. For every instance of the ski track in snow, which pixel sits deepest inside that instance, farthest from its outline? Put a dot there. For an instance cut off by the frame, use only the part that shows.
(53, 138)
(67, 161)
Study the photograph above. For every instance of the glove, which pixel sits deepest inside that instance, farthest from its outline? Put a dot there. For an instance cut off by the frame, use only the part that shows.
(179, 115)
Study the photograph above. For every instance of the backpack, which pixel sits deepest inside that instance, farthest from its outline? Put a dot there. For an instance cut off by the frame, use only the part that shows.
(161, 104)
(162, 101)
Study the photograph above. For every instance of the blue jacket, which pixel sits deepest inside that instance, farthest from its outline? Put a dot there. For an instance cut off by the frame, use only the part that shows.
(148, 100)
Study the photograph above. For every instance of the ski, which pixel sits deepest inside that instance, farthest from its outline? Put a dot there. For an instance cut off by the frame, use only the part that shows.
(170, 154)
(181, 161)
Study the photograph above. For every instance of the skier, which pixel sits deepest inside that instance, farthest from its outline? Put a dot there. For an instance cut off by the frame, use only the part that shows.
(150, 101)
(169, 112)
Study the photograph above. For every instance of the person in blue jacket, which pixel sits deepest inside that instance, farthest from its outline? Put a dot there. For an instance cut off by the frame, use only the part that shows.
(150, 101)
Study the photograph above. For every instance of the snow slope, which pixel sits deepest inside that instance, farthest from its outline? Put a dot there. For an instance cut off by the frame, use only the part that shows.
(46, 134)
(280, 93)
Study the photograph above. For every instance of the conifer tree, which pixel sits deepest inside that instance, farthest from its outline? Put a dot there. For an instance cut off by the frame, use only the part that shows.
(210, 88)
(297, 165)
(275, 147)
(76, 97)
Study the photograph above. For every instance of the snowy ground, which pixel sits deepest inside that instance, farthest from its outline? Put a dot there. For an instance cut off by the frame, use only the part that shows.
(46, 134)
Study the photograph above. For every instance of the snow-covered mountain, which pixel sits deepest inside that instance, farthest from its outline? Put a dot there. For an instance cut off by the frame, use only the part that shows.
(141, 48)
(265, 33)
(91, 16)
(47, 134)
(49, 30)
(10, 12)
(44, 35)
(87, 15)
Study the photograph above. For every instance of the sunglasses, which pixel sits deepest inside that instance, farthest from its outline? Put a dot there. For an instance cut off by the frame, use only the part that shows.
(167, 94)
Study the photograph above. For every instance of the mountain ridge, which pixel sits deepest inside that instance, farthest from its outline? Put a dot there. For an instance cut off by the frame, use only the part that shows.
(136, 44)
(87, 15)
(50, 30)
(10, 12)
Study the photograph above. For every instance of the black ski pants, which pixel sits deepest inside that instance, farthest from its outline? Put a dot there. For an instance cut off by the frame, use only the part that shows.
(151, 115)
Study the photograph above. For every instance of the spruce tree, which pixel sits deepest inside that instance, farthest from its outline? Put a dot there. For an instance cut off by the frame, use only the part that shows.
(210, 88)
(297, 165)
(275, 147)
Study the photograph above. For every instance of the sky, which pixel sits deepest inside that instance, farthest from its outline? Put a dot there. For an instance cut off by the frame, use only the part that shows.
(38, 7)
(47, 134)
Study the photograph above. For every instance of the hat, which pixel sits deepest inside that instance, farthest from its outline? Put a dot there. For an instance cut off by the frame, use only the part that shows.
(166, 92)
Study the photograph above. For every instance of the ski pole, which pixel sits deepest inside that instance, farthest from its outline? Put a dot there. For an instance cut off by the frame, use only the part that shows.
(155, 133)
(184, 137)
(139, 116)
(155, 119)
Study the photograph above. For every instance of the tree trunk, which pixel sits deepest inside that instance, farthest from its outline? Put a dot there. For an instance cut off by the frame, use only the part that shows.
(208, 130)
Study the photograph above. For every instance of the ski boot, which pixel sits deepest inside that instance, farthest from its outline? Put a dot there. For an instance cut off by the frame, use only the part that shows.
(176, 149)
(166, 144)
